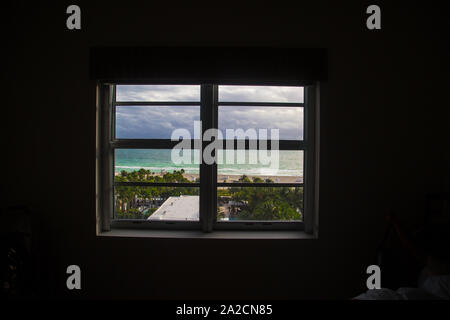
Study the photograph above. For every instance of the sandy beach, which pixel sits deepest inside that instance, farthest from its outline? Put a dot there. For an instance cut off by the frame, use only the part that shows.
(232, 178)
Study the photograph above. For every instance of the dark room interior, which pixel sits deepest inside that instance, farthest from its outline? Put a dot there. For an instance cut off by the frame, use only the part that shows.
(383, 154)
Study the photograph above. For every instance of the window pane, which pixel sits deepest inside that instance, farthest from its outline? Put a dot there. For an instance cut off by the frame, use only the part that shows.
(157, 93)
(157, 203)
(260, 94)
(288, 120)
(260, 166)
(154, 122)
(156, 165)
(262, 204)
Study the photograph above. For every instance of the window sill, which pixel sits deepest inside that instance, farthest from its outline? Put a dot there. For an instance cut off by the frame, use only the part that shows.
(219, 234)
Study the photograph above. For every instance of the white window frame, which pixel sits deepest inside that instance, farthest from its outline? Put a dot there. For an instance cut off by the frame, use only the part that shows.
(208, 173)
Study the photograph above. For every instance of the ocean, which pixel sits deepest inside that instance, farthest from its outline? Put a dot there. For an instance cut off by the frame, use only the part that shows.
(290, 163)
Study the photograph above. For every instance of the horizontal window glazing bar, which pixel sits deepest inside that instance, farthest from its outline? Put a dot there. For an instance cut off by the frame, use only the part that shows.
(152, 224)
(169, 144)
(150, 143)
(282, 144)
(157, 184)
(257, 184)
(157, 103)
(262, 104)
(258, 225)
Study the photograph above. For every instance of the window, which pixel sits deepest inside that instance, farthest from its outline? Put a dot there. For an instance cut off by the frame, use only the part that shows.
(206, 157)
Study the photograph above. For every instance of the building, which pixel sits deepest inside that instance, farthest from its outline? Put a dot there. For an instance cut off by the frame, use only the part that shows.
(178, 208)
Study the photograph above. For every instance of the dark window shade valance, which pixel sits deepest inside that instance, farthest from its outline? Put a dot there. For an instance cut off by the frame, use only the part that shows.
(215, 65)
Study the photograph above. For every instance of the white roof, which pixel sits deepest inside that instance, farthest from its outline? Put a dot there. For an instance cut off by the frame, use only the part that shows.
(184, 208)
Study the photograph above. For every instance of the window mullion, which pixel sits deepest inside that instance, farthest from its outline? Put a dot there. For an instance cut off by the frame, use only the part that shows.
(309, 158)
(215, 118)
(208, 173)
(105, 157)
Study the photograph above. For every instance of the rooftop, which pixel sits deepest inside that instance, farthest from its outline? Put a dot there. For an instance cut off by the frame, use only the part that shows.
(184, 208)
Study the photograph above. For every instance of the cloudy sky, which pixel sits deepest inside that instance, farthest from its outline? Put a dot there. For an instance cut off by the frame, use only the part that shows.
(159, 121)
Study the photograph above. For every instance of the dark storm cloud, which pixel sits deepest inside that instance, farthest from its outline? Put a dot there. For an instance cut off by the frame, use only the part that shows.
(160, 121)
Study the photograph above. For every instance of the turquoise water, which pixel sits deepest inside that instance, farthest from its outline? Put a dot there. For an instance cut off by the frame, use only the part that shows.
(290, 163)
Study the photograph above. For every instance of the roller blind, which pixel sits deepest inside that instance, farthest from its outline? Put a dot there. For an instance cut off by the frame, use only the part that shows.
(215, 65)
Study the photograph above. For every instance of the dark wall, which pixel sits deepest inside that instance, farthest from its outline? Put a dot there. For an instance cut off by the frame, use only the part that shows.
(384, 142)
